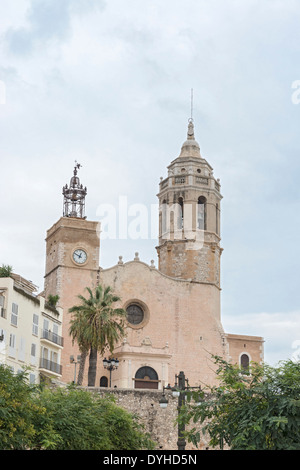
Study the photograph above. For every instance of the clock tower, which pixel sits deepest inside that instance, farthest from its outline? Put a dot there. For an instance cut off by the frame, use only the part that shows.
(72, 260)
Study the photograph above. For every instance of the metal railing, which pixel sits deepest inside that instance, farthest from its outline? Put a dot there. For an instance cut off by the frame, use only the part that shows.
(51, 366)
(53, 337)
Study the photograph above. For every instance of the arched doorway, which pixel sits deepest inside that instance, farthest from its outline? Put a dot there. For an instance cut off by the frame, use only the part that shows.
(146, 377)
(103, 381)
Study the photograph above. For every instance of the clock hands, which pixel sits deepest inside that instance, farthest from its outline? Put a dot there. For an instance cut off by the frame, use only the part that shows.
(79, 256)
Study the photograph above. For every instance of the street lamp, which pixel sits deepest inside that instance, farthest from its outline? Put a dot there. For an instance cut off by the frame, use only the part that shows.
(72, 360)
(110, 364)
(179, 390)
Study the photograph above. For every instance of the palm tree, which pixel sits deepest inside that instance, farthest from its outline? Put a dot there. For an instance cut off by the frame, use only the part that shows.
(96, 326)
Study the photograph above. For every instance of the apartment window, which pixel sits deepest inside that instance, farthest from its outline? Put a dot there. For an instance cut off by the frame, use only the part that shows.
(14, 314)
(33, 349)
(12, 345)
(35, 324)
(33, 354)
(55, 333)
(46, 325)
(2, 310)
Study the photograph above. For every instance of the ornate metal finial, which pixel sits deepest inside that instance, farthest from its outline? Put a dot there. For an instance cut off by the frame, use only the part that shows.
(74, 196)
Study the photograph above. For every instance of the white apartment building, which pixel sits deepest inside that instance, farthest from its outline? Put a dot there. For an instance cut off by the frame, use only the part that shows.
(30, 330)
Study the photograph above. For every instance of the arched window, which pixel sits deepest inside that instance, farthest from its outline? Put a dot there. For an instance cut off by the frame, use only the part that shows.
(245, 362)
(201, 213)
(164, 217)
(180, 213)
(104, 381)
(146, 377)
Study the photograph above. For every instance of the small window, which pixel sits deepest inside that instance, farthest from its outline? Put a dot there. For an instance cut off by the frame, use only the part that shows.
(245, 362)
(14, 314)
(33, 349)
(180, 179)
(2, 309)
(1, 300)
(12, 340)
(35, 324)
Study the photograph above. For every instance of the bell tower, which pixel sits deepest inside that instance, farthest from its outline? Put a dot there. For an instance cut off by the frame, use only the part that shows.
(189, 217)
(72, 260)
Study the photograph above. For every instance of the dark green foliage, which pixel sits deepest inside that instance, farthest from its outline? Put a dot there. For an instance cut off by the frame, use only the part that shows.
(52, 300)
(255, 411)
(63, 419)
(5, 270)
(17, 409)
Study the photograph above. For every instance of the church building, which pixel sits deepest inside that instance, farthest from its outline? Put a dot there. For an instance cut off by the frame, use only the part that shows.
(173, 311)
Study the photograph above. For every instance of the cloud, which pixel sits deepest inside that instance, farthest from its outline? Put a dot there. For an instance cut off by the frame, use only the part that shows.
(49, 20)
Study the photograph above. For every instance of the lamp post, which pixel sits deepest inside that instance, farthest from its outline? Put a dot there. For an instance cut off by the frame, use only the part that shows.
(72, 360)
(178, 391)
(110, 364)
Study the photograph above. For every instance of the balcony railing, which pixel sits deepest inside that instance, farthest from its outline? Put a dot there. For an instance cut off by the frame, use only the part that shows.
(53, 337)
(51, 366)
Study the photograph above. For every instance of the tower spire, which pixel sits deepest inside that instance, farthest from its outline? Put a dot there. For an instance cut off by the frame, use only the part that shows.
(190, 132)
(74, 196)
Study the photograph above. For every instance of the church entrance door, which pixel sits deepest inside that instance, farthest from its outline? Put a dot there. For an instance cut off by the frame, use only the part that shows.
(146, 377)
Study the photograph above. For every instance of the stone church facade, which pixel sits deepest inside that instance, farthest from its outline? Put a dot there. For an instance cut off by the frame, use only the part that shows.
(173, 311)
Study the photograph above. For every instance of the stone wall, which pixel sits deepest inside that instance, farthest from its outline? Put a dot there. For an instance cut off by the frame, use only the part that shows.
(159, 422)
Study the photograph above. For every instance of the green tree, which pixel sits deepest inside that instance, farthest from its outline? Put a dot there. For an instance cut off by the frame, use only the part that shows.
(96, 325)
(258, 410)
(5, 270)
(40, 418)
(17, 408)
(85, 421)
(52, 300)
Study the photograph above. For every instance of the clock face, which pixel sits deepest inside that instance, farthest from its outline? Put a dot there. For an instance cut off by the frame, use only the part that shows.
(79, 256)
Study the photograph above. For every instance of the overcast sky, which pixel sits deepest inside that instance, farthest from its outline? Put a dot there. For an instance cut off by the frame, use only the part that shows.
(108, 83)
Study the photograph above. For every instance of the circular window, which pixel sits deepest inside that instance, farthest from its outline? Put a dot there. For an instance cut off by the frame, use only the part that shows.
(135, 314)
